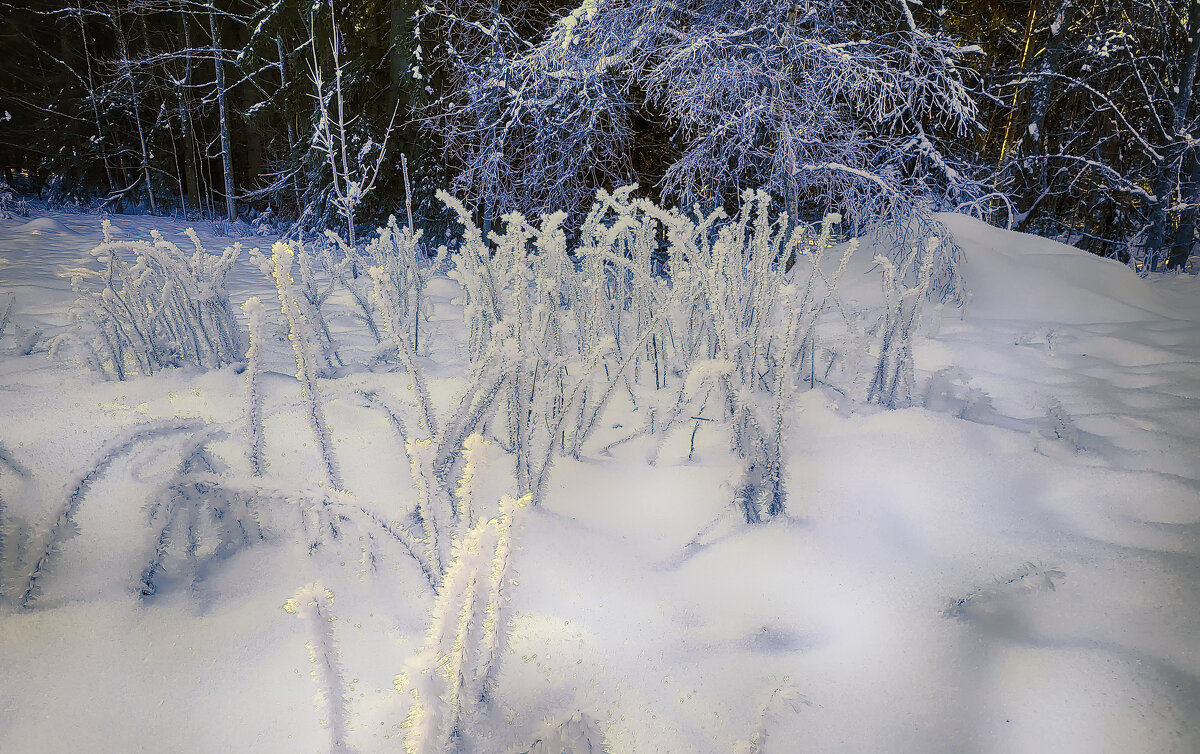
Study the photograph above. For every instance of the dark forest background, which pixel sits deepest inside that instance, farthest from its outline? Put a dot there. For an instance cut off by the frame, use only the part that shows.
(1073, 119)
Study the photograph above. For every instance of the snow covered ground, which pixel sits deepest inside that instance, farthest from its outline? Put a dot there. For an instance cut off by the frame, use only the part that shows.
(1010, 566)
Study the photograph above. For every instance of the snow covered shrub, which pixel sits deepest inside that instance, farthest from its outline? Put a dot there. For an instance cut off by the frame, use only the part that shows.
(468, 632)
(391, 307)
(314, 603)
(893, 380)
(311, 297)
(266, 223)
(397, 253)
(513, 311)
(443, 510)
(750, 325)
(163, 309)
(350, 273)
(433, 505)
(10, 205)
(302, 336)
(732, 313)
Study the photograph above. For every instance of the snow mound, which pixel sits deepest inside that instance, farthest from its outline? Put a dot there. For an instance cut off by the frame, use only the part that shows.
(1016, 276)
(43, 225)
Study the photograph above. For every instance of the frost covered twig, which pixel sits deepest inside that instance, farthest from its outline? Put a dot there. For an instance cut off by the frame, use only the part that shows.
(1032, 577)
(314, 603)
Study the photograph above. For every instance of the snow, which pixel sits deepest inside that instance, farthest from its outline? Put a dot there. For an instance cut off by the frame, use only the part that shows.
(1012, 566)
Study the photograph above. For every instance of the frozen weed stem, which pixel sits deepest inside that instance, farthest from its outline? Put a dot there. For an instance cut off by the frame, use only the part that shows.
(314, 603)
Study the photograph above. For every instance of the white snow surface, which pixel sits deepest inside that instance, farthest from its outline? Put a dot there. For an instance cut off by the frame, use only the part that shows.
(905, 597)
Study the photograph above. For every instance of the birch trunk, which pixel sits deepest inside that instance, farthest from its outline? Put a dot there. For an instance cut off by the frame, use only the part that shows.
(223, 114)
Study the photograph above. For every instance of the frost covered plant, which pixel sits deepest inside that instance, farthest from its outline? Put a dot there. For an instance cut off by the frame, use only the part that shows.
(1032, 577)
(390, 307)
(748, 326)
(468, 632)
(578, 733)
(256, 318)
(783, 699)
(349, 273)
(10, 205)
(478, 456)
(48, 538)
(194, 521)
(314, 604)
(311, 296)
(444, 511)
(165, 308)
(301, 336)
(433, 504)
(397, 253)
(514, 300)
(14, 535)
(893, 380)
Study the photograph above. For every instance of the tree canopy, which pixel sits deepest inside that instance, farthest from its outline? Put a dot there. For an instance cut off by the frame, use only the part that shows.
(1074, 119)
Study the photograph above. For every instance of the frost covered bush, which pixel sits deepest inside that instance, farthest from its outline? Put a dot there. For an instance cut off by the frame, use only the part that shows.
(153, 306)
(311, 293)
(395, 255)
(725, 315)
(10, 205)
(456, 671)
(303, 337)
(552, 386)
(893, 379)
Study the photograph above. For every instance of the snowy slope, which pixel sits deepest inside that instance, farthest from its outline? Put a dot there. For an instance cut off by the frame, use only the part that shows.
(1011, 566)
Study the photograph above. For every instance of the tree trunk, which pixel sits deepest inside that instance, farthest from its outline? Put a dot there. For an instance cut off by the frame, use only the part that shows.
(190, 169)
(1033, 140)
(1171, 168)
(93, 96)
(291, 131)
(252, 143)
(223, 114)
(135, 105)
(402, 42)
(1185, 232)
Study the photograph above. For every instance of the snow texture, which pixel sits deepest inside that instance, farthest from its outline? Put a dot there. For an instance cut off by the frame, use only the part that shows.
(1007, 561)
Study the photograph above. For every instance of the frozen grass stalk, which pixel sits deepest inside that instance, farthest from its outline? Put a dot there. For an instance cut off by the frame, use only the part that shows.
(256, 317)
(314, 603)
(300, 334)
(468, 634)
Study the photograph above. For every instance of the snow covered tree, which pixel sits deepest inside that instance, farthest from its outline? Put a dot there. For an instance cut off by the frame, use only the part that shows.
(1101, 126)
(825, 105)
